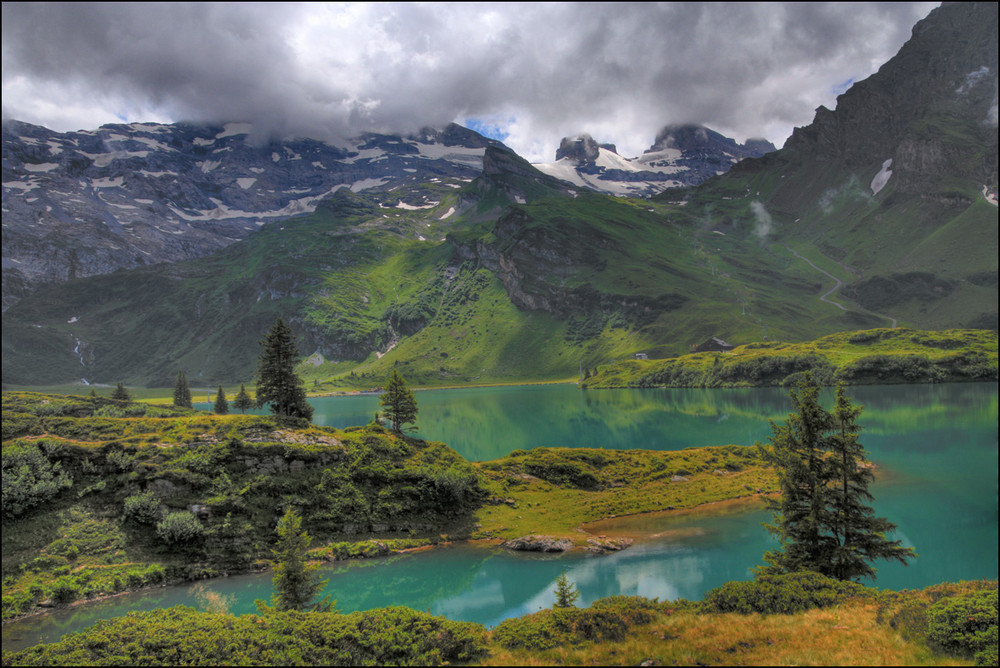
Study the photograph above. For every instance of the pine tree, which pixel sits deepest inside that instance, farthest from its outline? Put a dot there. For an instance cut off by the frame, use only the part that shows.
(277, 382)
(121, 394)
(243, 400)
(798, 456)
(221, 406)
(566, 593)
(859, 535)
(398, 403)
(182, 392)
(295, 584)
(822, 519)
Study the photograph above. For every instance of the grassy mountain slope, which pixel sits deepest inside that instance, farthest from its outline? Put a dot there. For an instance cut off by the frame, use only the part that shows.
(528, 280)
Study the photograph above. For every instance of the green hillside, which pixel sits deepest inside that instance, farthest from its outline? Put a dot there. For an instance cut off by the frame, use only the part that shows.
(533, 290)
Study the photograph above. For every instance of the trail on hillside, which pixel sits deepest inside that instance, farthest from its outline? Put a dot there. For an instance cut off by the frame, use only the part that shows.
(836, 287)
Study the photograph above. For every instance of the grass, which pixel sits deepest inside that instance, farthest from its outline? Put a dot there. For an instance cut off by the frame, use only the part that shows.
(858, 357)
(846, 635)
(553, 491)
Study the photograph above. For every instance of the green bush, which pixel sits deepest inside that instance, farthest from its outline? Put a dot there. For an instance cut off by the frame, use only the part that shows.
(142, 508)
(966, 625)
(180, 527)
(783, 594)
(608, 619)
(29, 478)
(65, 590)
(182, 636)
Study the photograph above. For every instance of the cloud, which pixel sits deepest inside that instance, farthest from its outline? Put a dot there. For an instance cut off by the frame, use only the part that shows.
(618, 71)
(763, 223)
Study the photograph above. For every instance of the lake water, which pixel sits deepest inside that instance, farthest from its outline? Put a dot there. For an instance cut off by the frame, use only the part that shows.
(936, 446)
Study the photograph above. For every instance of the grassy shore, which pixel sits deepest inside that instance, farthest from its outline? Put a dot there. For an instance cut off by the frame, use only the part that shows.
(555, 491)
(867, 357)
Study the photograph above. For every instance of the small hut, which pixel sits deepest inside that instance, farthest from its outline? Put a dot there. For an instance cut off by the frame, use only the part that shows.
(713, 345)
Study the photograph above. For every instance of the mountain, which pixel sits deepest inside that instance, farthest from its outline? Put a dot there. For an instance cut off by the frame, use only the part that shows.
(516, 274)
(894, 192)
(682, 155)
(85, 203)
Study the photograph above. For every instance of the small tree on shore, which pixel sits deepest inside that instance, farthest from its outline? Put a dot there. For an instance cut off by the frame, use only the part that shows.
(295, 583)
(277, 383)
(243, 401)
(398, 403)
(221, 406)
(182, 391)
(566, 593)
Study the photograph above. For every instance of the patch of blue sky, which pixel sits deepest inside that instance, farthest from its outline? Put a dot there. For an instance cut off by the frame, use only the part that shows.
(490, 127)
(842, 87)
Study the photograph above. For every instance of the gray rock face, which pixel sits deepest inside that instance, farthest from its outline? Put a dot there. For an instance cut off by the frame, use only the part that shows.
(932, 108)
(682, 155)
(539, 544)
(85, 203)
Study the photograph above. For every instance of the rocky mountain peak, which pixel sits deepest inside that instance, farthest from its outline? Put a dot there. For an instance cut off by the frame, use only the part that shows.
(931, 108)
(581, 147)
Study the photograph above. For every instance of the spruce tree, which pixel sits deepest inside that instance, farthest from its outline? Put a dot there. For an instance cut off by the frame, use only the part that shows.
(822, 518)
(398, 403)
(277, 383)
(243, 400)
(121, 394)
(221, 406)
(182, 392)
(859, 536)
(295, 583)
(566, 593)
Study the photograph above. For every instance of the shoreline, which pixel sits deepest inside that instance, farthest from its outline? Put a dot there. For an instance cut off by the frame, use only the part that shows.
(725, 505)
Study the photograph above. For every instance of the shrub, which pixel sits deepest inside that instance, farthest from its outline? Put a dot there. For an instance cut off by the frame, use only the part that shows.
(29, 478)
(142, 508)
(966, 625)
(608, 619)
(783, 594)
(180, 527)
(65, 590)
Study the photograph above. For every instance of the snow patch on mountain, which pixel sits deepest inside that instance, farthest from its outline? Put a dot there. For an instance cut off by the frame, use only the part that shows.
(882, 177)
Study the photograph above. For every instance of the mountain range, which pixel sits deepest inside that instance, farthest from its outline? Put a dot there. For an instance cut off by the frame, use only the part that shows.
(447, 256)
(682, 155)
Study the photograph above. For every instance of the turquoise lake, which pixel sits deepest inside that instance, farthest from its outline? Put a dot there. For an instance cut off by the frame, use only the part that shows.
(936, 446)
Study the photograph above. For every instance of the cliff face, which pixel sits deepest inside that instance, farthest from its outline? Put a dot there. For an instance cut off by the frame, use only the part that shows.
(932, 108)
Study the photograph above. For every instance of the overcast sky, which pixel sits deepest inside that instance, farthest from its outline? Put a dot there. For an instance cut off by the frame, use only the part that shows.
(531, 73)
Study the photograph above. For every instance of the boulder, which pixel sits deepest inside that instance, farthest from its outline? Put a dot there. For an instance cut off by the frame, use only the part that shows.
(539, 544)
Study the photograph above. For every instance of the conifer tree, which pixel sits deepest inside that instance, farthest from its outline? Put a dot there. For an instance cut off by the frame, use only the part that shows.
(822, 519)
(221, 406)
(398, 403)
(566, 593)
(182, 392)
(243, 401)
(295, 583)
(277, 383)
(859, 536)
(121, 394)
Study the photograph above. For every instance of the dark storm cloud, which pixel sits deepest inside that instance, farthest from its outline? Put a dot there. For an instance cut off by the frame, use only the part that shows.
(619, 71)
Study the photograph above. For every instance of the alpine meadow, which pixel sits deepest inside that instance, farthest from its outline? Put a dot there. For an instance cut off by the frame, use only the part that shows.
(315, 357)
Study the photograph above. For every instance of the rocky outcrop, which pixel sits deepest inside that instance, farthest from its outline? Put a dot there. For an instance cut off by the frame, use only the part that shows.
(535, 543)
(604, 545)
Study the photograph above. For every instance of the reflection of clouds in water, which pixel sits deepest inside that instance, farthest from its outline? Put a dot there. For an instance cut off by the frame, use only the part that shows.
(485, 593)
